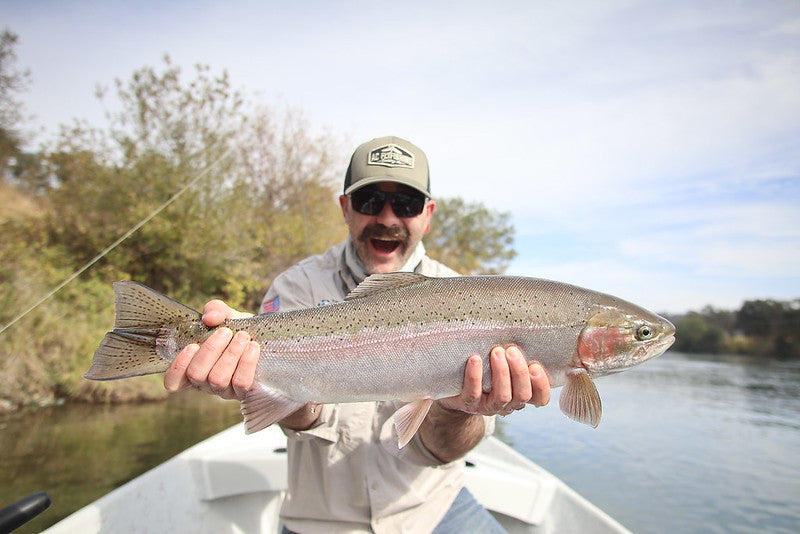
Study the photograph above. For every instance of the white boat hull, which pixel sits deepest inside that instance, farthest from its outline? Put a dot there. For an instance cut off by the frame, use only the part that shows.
(234, 483)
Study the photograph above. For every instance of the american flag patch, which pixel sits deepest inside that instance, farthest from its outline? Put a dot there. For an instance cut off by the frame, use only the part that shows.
(270, 306)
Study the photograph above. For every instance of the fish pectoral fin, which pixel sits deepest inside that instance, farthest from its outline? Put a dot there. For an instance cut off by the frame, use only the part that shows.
(263, 406)
(580, 400)
(408, 419)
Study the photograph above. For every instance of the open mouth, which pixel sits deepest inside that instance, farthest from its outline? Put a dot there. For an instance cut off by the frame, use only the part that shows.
(384, 246)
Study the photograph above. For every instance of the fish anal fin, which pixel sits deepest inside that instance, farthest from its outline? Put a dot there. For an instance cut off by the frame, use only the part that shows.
(378, 283)
(580, 400)
(408, 419)
(263, 406)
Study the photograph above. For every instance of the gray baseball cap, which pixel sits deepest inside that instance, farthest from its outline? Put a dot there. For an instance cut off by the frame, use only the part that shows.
(388, 159)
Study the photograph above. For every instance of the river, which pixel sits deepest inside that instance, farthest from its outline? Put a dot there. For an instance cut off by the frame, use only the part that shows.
(687, 444)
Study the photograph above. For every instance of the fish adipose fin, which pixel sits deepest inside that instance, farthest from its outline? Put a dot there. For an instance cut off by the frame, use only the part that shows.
(408, 419)
(378, 283)
(130, 349)
(580, 400)
(263, 406)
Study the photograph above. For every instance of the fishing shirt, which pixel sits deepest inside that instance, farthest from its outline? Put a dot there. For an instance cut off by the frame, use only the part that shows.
(346, 473)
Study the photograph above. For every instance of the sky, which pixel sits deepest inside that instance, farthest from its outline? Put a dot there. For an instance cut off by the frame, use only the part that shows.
(647, 149)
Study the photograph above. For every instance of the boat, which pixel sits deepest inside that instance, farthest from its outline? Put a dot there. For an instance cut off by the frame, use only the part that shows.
(234, 483)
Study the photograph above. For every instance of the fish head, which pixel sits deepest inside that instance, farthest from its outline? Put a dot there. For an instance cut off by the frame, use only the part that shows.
(621, 335)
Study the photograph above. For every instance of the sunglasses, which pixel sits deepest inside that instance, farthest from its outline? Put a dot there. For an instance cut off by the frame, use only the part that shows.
(370, 201)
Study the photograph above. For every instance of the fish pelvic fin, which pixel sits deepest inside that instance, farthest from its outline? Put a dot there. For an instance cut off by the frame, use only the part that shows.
(133, 348)
(263, 406)
(408, 419)
(580, 400)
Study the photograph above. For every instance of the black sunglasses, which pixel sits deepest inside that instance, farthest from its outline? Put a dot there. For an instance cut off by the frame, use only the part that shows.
(369, 201)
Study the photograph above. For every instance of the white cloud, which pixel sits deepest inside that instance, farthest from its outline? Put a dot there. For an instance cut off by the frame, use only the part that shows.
(656, 136)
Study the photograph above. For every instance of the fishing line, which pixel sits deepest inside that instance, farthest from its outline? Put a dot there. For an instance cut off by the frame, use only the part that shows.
(125, 236)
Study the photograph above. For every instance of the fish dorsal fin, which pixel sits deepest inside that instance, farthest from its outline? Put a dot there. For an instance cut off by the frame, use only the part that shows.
(378, 283)
(580, 400)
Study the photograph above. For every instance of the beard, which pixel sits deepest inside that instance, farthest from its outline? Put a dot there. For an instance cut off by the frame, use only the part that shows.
(378, 239)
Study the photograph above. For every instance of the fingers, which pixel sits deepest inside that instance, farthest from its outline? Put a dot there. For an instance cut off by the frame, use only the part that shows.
(175, 377)
(244, 376)
(472, 389)
(540, 385)
(204, 360)
(218, 378)
(471, 396)
(215, 312)
(225, 364)
(501, 393)
(521, 385)
(515, 382)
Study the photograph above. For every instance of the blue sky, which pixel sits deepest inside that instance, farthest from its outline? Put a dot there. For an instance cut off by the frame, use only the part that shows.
(645, 149)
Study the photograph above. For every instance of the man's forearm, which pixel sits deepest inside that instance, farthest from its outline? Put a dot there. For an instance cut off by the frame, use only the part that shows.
(303, 418)
(450, 434)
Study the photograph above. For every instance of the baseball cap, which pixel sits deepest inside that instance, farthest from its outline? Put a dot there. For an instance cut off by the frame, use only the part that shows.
(388, 159)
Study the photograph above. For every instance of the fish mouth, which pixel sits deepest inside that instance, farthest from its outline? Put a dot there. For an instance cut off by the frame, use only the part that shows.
(659, 347)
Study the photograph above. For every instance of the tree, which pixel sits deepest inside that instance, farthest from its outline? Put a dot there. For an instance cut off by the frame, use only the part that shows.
(235, 228)
(776, 323)
(698, 334)
(470, 238)
(12, 81)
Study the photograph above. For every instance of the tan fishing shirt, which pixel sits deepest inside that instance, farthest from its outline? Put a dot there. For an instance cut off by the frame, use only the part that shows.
(346, 473)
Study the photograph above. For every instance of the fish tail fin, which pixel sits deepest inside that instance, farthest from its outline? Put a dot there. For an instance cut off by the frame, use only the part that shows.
(140, 340)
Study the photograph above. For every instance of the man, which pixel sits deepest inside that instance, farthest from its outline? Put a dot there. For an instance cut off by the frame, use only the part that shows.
(346, 473)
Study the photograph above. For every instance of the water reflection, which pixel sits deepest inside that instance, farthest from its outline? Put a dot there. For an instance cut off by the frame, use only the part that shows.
(77, 453)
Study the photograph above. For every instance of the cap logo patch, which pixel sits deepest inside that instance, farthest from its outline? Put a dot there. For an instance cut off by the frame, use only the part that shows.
(391, 155)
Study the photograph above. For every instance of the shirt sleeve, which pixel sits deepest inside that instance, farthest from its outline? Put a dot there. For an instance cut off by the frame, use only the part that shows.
(326, 426)
(289, 291)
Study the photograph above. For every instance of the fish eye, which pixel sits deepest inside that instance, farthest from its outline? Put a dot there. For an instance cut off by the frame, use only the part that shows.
(644, 332)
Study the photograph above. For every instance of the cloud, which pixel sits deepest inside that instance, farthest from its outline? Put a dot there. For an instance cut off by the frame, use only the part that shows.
(637, 144)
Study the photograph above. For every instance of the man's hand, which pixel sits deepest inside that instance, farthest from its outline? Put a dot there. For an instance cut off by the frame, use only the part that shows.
(515, 383)
(224, 365)
(455, 425)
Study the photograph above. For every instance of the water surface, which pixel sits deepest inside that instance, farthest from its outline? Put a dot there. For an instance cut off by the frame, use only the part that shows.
(77, 453)
(686, 444)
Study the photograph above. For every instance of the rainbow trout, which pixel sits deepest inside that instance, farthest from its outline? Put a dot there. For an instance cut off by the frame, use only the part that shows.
(399, 336)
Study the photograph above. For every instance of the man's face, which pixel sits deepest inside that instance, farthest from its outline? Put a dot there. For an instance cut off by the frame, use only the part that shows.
(385, 241)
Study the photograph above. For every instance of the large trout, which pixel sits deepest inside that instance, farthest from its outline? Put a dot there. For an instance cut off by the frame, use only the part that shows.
(400, 336)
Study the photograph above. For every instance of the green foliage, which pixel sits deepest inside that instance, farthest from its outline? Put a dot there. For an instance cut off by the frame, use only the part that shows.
(698, 334)
(231, 231)
(759, 327)
(267, 203)
(470, 238)
(12, 81)
(775, 324)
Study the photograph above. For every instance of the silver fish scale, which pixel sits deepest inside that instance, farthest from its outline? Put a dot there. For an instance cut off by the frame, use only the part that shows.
(399, 337)
(413, 341)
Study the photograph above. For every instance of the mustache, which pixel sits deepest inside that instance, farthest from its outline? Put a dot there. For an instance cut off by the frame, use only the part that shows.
(381, 231)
